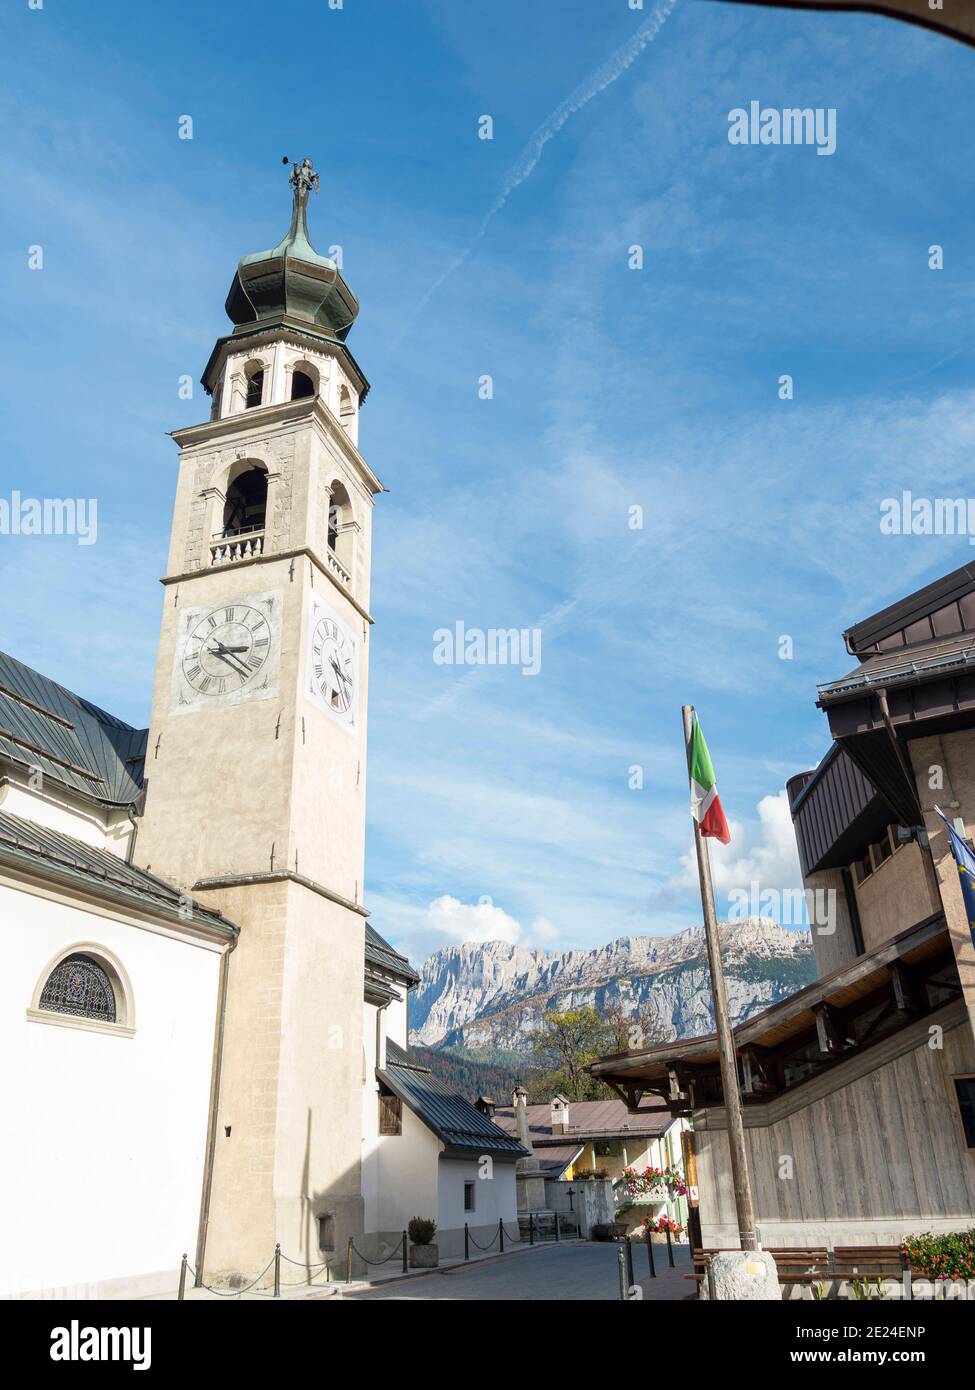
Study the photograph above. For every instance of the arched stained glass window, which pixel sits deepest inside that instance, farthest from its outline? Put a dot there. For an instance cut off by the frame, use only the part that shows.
(78, 985)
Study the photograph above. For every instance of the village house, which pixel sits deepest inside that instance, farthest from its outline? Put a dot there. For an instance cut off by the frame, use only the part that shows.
(578, 1141)
(858, 1091)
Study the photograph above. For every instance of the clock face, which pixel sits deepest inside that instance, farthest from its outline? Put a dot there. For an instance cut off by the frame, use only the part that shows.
(332, 680)
(227, 654)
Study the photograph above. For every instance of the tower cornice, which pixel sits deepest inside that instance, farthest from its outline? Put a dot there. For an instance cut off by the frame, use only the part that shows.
(287, 330)
(284, 413)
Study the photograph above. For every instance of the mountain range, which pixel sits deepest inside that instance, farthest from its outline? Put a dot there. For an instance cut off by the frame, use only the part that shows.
(483, 999)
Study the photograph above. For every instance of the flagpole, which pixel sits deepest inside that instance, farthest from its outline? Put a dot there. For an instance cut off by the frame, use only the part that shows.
(726, 1042)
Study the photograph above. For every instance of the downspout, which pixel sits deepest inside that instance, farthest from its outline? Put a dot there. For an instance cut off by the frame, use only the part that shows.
(133, 819)
(201, 1237)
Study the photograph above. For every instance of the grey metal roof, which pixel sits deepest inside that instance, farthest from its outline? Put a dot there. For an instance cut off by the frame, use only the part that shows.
(591, 1119)
(73, 742)
(380, 954)
(464, 1131)
(25, 845)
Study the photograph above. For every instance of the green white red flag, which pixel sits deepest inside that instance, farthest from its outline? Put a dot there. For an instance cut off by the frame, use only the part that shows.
(705, 803)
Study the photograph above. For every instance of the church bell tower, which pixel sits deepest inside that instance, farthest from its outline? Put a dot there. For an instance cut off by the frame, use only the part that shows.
(257, 749)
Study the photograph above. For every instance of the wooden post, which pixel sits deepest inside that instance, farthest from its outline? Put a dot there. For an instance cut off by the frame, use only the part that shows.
(726, 1042)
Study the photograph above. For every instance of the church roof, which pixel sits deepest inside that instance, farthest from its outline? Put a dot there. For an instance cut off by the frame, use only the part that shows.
(73, 742)
(25, 845)
(464, 1131)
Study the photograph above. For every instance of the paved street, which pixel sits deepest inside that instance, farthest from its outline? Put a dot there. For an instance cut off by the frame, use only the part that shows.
(585, 1272)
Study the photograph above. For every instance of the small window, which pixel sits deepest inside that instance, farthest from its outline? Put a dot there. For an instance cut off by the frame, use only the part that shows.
(883, 850)
(390, 1114)
(965, 1094)
(79, 986)
(469, 1196)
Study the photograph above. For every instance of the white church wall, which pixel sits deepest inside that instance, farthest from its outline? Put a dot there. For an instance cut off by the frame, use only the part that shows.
(396, 1027)
(60, 812)
(102, 1173)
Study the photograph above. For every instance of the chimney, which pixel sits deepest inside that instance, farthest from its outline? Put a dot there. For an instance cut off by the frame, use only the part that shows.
(560, 1115)
(486, 1106)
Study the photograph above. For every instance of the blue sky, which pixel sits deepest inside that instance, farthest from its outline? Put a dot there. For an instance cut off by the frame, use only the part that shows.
(499, 804)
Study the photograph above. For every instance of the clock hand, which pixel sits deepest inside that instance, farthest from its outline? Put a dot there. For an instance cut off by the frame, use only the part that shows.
(232, 663)
(228, 649)
(341, 674)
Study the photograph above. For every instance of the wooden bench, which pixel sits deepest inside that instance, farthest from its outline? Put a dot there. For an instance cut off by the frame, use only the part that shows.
(868, 1262)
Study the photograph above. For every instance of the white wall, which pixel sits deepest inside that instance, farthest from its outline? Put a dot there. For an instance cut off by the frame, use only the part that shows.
(399, 1172)
(495, 1196)
(59, 811)
(101, 1166)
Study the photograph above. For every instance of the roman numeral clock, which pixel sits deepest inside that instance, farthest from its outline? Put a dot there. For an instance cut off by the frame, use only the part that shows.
(227, 654)
(332, 665)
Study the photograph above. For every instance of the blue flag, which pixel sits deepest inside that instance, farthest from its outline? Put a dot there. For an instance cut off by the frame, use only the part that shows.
(965, 860)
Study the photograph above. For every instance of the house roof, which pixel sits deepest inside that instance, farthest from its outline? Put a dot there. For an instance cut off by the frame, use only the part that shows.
(554, 1160)
(937, 610)
(24, 845)
(463, 1130)
(380, 954)
(73, 742)
(590, 1119)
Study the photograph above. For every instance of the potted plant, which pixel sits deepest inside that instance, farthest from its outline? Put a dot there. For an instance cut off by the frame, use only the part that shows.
(424, 1254)
(656, 1230)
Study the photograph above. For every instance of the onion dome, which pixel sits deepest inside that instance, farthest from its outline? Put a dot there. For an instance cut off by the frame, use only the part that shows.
(292, 281)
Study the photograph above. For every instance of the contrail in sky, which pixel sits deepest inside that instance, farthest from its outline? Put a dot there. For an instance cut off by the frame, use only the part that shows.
(615, 65)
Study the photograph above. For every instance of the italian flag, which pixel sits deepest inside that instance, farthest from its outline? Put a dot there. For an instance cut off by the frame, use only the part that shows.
(705, 802)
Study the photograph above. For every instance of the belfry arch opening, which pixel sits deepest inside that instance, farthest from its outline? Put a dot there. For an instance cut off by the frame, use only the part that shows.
(255, 385)
(245, 509)
(303, 384)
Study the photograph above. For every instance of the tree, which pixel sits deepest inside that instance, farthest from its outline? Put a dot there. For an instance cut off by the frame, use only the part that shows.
(564, 1046)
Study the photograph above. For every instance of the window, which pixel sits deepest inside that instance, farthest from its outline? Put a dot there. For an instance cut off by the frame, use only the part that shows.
(965, 1095)
(246, 506)
(390, 1113)
(79, 986)
(302, 385)
(339, 513)
(469, 1196)
(255, 388)
(346, 407)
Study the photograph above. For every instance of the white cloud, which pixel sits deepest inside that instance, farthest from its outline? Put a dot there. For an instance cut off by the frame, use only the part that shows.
(447, 921)
(771, 861)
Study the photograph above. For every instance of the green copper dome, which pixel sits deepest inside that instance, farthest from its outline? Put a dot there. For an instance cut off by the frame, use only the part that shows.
(292, 280)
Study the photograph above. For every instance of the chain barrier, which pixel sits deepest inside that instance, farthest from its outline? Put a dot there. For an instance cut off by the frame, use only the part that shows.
(198, 1283)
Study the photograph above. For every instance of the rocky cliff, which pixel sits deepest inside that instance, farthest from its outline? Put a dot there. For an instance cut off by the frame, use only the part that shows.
(483, 999)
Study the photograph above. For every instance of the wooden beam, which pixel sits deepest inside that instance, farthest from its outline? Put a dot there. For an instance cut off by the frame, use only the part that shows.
(829, 1030)
(905, 992)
